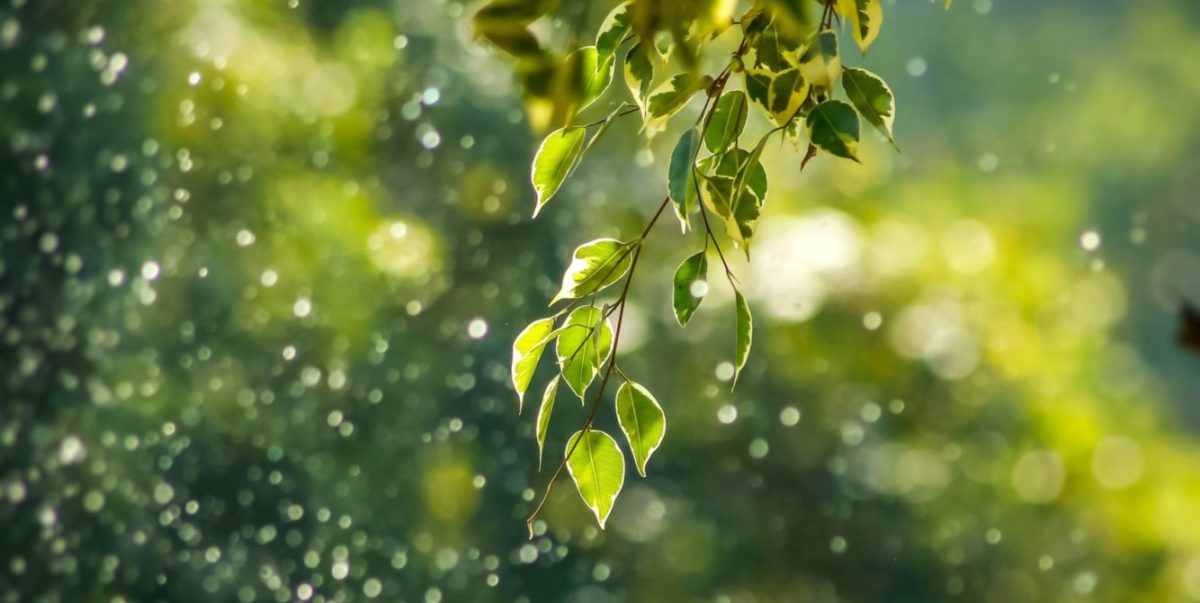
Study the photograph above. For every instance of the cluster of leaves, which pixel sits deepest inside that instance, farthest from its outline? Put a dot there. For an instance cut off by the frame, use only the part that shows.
(788, 64)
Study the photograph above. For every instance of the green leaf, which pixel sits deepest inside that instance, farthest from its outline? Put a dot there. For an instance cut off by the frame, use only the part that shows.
(598, 469)
(692, 270)
(669, 98)
(596, 74)
(613, 30)
(642, 420)
(758, 86)
(728, 120)
(583, 346)
(594, 266)
(792, 15)
(543, 416)
(873, 99)
(527, 350)
(639, 74)
(679, 174)
(745, 332)
(555, 159)
(833, 127)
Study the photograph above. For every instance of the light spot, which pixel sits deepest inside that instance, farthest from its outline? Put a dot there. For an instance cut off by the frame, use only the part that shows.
(727, 414)
(1089, 240)
(789, 416)
(477, 328)
(1038, 476)
(302, 308)
(1117, 462)
(150, 270)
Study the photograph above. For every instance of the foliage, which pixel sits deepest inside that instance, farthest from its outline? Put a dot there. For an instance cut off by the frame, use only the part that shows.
(789, 65)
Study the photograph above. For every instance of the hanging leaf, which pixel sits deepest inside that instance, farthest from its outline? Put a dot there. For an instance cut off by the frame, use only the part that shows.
(690, 287)
(584, 344)
(642, 419)
(749, 194)
(639, 74)
(594, 266)
(669, 98)
(595, 75)
(873, 99)
(543, 416)
(527, 350)
(758, 86)
(821, 64)
(745, 332)
(865, 17)
(555, 159)
(728, 120)
(792, 15)
(833, 127)
(598, 469)
(786, 93)
(679, 174)
(612, 31)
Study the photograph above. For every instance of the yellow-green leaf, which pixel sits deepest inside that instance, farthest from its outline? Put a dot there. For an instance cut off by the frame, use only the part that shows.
(543, 416)
(642, 420)
(669, 98)
(527, 350)
(584, 344)
(596, 74)
(613, 30)
(594, 266)
(865, 17)
(555, 159)
(728, 119)
(598, 469)
(639, 74)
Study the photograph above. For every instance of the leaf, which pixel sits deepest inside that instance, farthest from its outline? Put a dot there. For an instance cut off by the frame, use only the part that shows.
(745, 332)
(873, 99)
(598, 469)
(833, 127)
(821, 63)
(642, 419)
(669, 98)
(639, 74)
(555, 159)
(596, 74)
(785, 95)
(728, 120)
(583, 346)
(527, 350)
(543, 416)
(866, 18)
(685, 300)
(594, 266)
(679, 174)
(792, 15)
(758, 86)
(613, 30)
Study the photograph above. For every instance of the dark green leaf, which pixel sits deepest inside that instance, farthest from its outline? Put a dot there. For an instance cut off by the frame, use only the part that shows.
(728, 119)
(873, 99)
(833, 127)
(745, 332)
(679, 174)
(690, 287)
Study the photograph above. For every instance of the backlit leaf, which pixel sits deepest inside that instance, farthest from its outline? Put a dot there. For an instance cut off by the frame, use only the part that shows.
(527, 350)
(594, 266)
(598, 469)
(584, 344)
(689, 287)
(639, 74)
(595, 75)
(865, 17)
(555, 159)
(543, 416)
(642, 420)
(670, 97)
(613, 30)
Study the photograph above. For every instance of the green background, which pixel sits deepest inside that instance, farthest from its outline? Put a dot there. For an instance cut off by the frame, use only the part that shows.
(261, 264)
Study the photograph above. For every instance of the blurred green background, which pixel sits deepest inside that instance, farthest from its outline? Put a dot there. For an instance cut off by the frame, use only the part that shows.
(261, 263)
